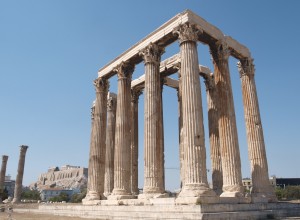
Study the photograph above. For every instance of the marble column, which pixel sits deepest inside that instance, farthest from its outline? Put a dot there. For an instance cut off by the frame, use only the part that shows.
(262, 189)
(153, 136)
(122, 134)
(95, 186)
(134, 140)
(230, 153)
(195, 188)
(3, 171)
(19, 178)
(110, 143)
(181, 159)
(214, 139)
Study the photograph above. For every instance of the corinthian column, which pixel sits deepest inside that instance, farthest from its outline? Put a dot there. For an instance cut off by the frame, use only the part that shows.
(110, 143)
(19, 179)
(122, 135)
(195, 185)
(230, 153)
(256, 144)
(3, 171)
(134, 140)
(214, 140)
(97, 144)
(153, 137)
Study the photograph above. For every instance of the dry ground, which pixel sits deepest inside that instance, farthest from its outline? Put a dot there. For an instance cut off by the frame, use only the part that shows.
(31, 216)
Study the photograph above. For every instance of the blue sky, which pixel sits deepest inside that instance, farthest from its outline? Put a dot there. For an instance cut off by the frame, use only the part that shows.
(50, 52)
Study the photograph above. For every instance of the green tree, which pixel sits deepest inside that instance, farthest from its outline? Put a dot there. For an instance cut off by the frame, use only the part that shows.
(31, 195)
(61, 197)
(77, 198)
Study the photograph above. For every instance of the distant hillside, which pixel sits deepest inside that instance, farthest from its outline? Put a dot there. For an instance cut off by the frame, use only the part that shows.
(68, 177)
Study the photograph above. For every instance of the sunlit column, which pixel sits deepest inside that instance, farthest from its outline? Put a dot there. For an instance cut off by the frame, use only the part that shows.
(153, 137)
(195, 178)
(95, 186)
(230, 153)
(134, 140)
(256, 144)
(19, 179)
(122, 158)
(214, 140)
(110, 143)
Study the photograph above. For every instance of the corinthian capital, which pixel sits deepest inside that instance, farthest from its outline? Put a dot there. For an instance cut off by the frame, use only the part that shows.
(209, 81)
(246, 67)
(124, 70)
(135, 94)
(152, 53)
(220, 51)
(101, 85)
(187, 32)
(111, 103)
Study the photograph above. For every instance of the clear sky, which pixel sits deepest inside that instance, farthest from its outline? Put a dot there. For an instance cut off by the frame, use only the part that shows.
(50, 52)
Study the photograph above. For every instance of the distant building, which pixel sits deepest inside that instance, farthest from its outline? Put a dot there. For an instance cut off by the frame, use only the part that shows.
(49, 193)
(283, 182)
(275, 182)
(9, 185)
(65, 177)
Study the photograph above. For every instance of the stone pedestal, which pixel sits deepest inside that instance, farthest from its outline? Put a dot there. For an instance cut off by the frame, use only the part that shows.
(214, 139)
(195, 185)
(231, 163)
(153, 137)
(110, 143)
(262, 190)
(95, 187)
(19, 179)
(122, 134)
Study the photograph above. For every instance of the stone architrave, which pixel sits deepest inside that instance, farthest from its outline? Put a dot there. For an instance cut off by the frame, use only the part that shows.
(231, 162)
(110, 143)
(122, 134)
(214, 139)
(195, 188)
(262, 189)
(95, 187)
(19, 178)
(153, 127)
(134, 140)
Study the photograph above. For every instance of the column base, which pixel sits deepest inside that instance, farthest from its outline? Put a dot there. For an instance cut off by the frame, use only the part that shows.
(263, 198)
(15, 201)
(153, 195)
(119, 197)
(196, 194)
(91, 198)
(118, 194)
(233, 191)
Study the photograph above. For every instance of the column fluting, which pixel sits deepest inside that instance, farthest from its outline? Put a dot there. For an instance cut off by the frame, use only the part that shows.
(230, 153)
(134, 140)
(256, 144)
(3, 172)
(110, 143)
(95, 186)
(195, 176)
(122, 134)
(214, 139)
(19, 178)
(153, 125)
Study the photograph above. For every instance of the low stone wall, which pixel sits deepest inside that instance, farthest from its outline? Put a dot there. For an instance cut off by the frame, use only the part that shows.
(210, 211)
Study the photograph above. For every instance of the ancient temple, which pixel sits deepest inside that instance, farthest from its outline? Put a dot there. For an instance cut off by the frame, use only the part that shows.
(113, 156)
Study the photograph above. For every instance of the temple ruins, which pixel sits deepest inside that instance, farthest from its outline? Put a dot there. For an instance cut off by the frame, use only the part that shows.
(114, 146)
(112, 191)
(19, 179)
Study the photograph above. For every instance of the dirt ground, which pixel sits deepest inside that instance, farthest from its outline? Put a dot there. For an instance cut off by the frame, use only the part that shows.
(31, 216)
